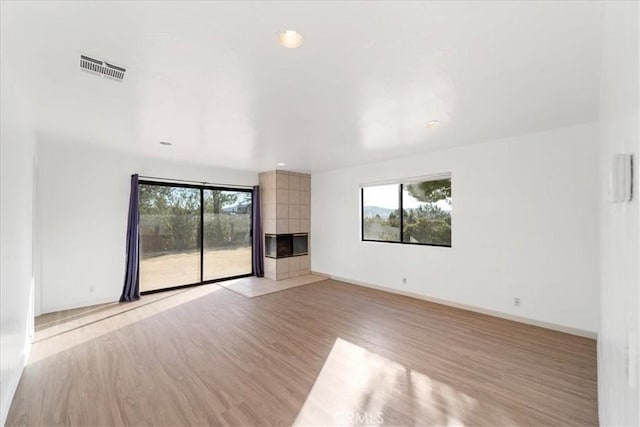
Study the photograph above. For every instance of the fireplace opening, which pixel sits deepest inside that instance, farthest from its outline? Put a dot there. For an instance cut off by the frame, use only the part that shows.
(300, 242)
(286, 245)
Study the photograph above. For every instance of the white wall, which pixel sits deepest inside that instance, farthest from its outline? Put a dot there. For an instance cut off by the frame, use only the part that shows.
(525, 224)
(84, 199)
(620, 295)
(17, 140)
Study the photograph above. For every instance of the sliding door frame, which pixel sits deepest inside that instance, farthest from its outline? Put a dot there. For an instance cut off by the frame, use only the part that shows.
(202, 188)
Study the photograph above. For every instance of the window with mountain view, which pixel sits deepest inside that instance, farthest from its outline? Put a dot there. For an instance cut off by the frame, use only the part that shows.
(380, 213)
(413, 212)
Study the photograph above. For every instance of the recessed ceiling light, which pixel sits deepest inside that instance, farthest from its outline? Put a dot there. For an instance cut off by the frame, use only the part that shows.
(290, 39)
(432, 124)
(281, 164)
(166, 143)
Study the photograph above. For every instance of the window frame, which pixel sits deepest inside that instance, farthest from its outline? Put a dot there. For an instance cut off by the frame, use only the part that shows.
(400, 184)
(202, 188)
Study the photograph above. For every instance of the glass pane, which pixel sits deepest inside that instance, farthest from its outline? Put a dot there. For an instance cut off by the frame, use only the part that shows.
(169, 236)
(227, 234)
(381, 213)
(427, 212)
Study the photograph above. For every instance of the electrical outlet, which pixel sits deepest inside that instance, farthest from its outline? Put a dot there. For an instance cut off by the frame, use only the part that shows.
(516, 302)
(404, 280)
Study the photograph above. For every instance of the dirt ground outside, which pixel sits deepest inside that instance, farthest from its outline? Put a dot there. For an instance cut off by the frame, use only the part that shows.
(184, 268)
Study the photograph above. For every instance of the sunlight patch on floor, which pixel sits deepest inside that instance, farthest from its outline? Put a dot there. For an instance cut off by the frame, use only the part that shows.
(358, 387)
(77, 329)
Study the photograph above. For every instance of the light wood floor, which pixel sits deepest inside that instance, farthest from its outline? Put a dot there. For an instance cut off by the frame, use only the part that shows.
(324, 353)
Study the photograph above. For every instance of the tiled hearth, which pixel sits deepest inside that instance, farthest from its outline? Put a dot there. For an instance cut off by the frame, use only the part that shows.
(286, 209)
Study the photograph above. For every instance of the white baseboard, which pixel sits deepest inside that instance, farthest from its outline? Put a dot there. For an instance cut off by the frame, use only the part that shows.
(317, 273)
(84, 304)
(526, 320)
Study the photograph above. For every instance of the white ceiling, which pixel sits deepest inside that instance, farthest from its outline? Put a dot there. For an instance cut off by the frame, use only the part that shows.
(211, 78)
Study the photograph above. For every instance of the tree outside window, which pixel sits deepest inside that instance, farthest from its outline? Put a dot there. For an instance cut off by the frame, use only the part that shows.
(413, 212)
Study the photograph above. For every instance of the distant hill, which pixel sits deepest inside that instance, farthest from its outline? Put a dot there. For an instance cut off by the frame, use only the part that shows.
(377, 210)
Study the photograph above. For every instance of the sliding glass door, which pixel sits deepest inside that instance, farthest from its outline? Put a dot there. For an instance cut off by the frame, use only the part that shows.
(227, 234)
(192, 234)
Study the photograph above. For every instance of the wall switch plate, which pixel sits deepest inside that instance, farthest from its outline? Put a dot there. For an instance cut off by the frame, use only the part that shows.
(621, 178)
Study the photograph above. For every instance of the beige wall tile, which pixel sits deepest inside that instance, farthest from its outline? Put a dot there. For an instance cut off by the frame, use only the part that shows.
(305, 271)
(268, 195)
(267, 179)
(294, 181)
(282, 196)
(282, 211)
(282, 226)
(305, 212)
(305, 198)
(295, 273)
(305, 182)
(271, 275)
(305, 226)
(281, 276)
(269, 265)
(294, 197)
(269, 226)
(282, 180)
(294, 211)
(294, 226)
(269, 211)
(294, 263)
(304, 262)
(282, 265)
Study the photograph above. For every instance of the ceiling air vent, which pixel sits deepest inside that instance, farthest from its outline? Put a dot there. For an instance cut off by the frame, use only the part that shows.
(102, 68)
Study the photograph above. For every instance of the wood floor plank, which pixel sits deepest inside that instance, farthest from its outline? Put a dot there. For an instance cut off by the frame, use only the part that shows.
(318, 354)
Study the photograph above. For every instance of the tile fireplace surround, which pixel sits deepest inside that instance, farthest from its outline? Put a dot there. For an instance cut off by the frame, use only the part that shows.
(286, 209)
(286, 245)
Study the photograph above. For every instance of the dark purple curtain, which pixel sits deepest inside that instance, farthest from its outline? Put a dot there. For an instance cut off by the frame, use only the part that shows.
(131, 290)
(258, 242)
